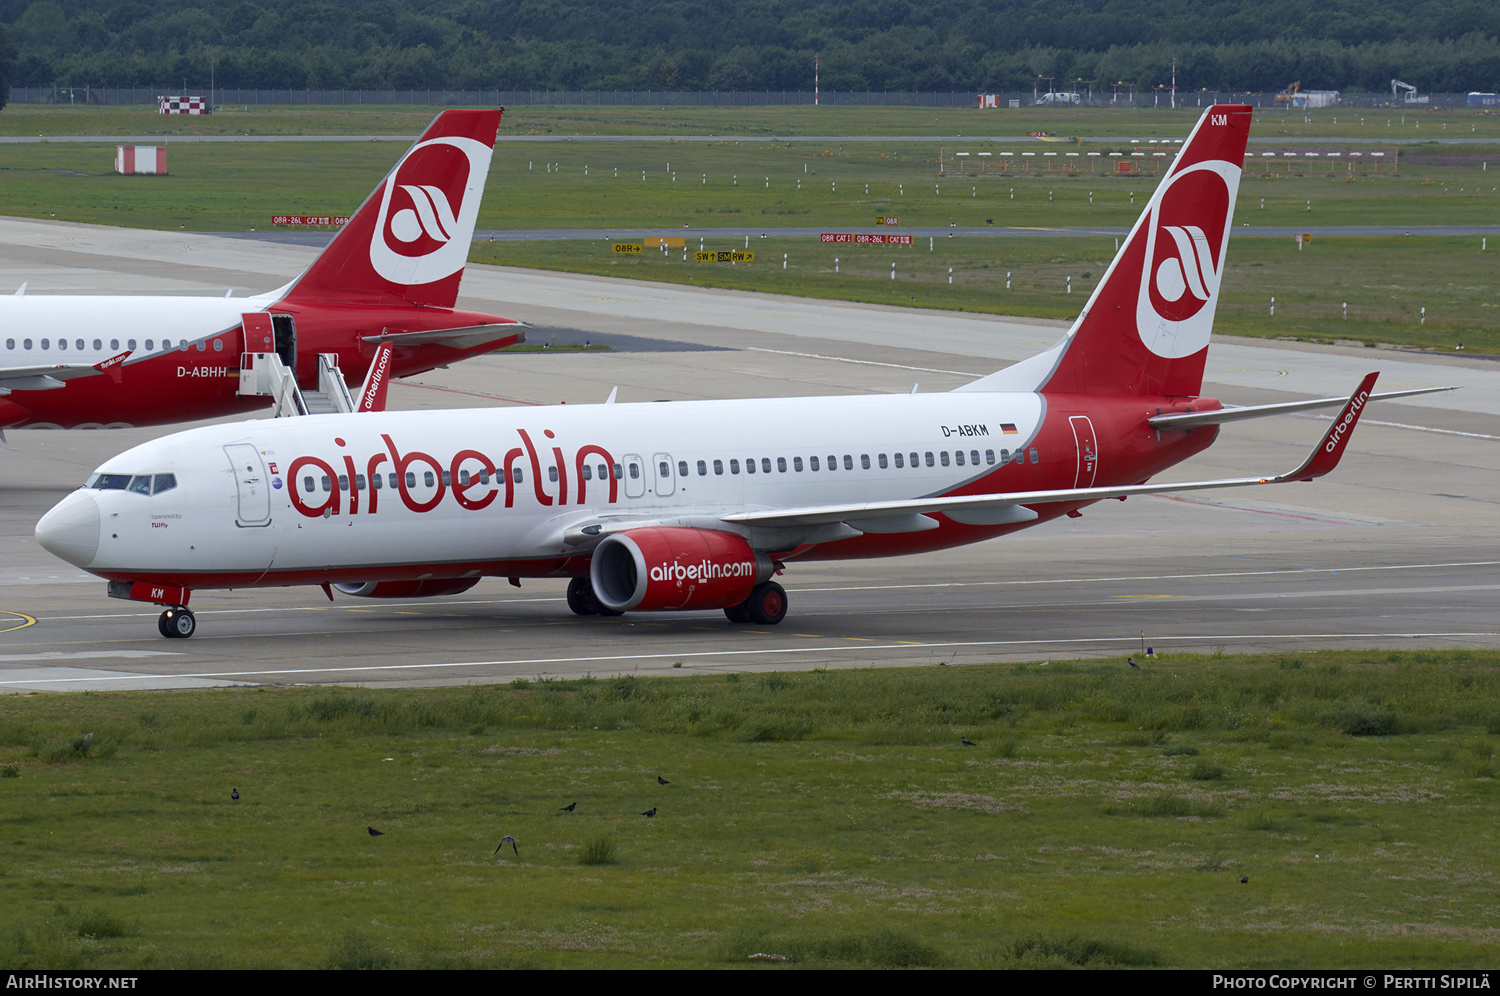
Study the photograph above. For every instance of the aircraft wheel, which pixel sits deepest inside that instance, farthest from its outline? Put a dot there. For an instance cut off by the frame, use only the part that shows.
(581, 597)
(176, 624)
(767, 603)
(737, 613)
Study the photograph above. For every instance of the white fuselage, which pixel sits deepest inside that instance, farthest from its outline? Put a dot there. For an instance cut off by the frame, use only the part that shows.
(42, 329)
(285, 501)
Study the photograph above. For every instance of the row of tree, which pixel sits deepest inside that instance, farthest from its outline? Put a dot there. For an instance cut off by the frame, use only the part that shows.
(949, 45)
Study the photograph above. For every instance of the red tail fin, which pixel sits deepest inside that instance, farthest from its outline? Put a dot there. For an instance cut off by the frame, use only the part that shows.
(1145, 330)
(408, 241)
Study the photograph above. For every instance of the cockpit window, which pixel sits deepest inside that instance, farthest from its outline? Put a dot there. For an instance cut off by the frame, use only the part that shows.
(140, 484)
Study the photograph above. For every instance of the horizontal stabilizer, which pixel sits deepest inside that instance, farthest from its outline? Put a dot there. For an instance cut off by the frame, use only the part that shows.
(1322, 460)
(1189, 420)
(470, 337)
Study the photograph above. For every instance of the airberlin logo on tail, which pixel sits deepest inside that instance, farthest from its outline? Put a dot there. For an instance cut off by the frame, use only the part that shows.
(1187, 228)
(427, 211)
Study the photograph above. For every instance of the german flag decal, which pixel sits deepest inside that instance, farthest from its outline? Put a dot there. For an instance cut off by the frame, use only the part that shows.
(1009, 429)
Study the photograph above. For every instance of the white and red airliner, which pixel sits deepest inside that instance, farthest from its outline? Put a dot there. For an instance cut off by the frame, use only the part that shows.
(390, 275)
(697, 505)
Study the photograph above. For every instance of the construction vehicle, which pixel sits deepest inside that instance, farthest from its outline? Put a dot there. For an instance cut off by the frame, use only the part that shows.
(1406, 93)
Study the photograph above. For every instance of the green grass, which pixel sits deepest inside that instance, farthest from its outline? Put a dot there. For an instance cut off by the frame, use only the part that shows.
(831, 818)
(1386, 281)
(721, 183)
(767, 121)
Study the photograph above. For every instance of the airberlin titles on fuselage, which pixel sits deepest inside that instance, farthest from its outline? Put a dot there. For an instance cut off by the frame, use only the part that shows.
(471, 475)
(352, 484)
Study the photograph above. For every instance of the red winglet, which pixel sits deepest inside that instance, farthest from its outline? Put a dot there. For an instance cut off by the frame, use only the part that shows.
(1326, 456)
(112, 366)
(372, 394)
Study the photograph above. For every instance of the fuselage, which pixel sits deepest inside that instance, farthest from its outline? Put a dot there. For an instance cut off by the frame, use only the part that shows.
(403, 496)
(185, 353)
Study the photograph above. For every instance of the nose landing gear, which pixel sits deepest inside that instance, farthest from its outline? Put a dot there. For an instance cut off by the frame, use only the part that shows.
(177, 623)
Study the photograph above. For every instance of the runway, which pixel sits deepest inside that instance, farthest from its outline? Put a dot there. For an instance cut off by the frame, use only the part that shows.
(1395, 549)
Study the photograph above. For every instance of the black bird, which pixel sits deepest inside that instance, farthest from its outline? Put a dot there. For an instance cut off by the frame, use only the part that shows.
(375, 833)
(966, 741)
(1132, 663)
(568, 808)
(234, 794)
(508, 839)
(1244, 880)
(649, 813)
(662, 781)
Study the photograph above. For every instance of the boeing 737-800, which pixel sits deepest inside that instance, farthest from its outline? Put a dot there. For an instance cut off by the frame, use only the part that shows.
(697, 505)
(390, 275)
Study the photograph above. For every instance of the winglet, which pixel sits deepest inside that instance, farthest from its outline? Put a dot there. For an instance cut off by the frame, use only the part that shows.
(112, 366)
(372, 394)
(1328, 452)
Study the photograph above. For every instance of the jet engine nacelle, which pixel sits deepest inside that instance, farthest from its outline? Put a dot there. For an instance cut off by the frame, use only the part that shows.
(666, 567)
(408, 589)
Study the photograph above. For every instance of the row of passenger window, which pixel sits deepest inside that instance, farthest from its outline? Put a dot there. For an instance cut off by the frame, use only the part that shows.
(114, 344)
(141, 484)
(940, 458)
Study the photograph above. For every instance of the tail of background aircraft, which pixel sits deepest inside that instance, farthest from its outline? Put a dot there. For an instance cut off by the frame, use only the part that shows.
(407, 243)
(1145, 329)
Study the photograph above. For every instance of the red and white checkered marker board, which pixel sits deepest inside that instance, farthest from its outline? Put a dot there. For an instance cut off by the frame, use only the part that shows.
(181, 105)
(137, 159)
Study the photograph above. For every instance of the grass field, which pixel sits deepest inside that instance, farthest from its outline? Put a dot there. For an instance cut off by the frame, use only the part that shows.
(1386, 281)
(769, 122)
(232, 187)
(763, 184)
(1105, 817)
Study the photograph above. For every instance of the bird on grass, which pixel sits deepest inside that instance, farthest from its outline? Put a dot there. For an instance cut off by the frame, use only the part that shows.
(375, 833)
(649, 813)
(1244, 880)
(568, 808)
(662, 781)
(234, 794)
(508, 839)
(1132, 663)
(966, 742)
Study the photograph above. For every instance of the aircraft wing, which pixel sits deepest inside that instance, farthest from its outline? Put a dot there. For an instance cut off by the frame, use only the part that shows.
(890, 516)
(460, 338)
(50, 376)
(1188, 420)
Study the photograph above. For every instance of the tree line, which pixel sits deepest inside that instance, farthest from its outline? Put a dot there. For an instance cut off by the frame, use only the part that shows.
(887, 45)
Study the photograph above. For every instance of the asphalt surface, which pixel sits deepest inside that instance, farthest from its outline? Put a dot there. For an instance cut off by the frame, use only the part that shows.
(1392, 550)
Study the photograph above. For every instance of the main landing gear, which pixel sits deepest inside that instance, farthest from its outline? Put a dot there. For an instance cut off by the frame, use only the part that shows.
(583, 601)
(766, 606)
(177, 623)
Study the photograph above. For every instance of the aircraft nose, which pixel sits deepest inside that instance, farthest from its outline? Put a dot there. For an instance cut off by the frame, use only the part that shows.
(71, 529)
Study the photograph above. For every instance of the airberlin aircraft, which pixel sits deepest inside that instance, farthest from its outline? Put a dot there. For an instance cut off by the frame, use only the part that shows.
(390, 275)
(698, 505)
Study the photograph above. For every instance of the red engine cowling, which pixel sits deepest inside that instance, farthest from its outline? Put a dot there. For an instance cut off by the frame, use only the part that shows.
(674, 567)
(408, 589)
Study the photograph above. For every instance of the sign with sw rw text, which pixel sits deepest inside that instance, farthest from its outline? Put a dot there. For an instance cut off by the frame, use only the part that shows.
(732, 256)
